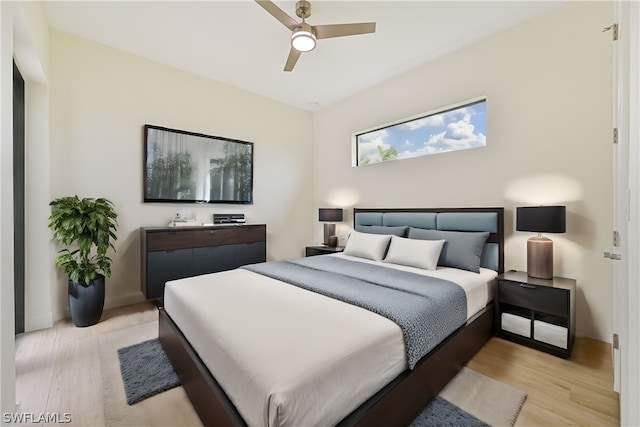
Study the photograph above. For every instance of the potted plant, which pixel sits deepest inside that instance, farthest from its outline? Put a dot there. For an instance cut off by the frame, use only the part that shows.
(87, 228)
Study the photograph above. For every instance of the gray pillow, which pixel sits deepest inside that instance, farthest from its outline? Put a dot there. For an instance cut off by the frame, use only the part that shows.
(381, 229)
(461, 249)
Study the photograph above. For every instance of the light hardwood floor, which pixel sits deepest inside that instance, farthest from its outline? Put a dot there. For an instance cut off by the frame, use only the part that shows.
(560, 392)
(58, 371)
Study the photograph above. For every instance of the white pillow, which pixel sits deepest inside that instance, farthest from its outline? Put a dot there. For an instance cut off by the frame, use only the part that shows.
(415, 253)
(365, 245)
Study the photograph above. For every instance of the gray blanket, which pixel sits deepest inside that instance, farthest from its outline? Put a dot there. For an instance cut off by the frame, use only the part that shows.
(426, 309)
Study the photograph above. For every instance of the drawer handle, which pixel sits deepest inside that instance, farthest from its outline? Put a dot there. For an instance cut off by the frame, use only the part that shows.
(524, 285)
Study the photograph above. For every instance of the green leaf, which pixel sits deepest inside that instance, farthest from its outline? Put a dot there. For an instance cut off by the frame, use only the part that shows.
(87, 228)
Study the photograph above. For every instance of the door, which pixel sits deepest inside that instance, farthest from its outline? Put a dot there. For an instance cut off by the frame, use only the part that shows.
(626, 210)
(620, 199)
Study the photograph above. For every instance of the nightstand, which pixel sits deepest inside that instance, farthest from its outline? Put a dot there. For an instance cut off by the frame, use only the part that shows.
(322, 250)
(537, 313)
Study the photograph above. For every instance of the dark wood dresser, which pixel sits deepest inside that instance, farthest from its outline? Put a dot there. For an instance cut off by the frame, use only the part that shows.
(169, 253)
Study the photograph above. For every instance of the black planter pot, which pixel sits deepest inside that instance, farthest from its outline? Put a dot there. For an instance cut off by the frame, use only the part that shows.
(86, 302)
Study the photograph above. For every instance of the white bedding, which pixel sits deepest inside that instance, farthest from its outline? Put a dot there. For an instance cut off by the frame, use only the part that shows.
(475, 285)
(289, 357)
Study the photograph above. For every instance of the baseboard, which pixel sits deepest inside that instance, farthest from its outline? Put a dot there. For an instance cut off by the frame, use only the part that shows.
(122, 300)
(109, 303)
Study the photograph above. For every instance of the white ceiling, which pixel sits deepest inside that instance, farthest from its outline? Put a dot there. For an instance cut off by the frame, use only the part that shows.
(238, 43)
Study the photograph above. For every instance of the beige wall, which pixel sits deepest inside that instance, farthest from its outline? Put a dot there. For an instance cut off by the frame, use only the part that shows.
(100, 100)
(24, 37)
(34, 65)
(548, 84)
(7, 346)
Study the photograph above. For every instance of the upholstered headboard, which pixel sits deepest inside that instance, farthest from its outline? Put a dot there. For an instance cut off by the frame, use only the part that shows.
(392, 221)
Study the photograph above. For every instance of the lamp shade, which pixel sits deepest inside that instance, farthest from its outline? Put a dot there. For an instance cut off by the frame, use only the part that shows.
(330, 214)
(541, 219)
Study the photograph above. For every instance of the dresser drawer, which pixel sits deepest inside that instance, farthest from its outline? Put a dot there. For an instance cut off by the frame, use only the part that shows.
(170, 253)
(169, 240)
(545, 299)
(229, 235)
(212, 237)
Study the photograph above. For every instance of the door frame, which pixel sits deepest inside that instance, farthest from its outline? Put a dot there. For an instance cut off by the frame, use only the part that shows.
(627, 209)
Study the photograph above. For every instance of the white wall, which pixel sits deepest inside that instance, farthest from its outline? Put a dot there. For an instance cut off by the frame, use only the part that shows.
(7, 347)
(548, 84)
(100, 100)
(23, 36)
(32, 58)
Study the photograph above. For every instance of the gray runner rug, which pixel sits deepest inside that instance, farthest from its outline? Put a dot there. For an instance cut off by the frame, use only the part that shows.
(147, 371)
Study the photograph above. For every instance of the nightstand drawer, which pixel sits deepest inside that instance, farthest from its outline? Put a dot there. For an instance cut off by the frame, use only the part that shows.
(550, 334)
(540, 298)
(516, 324)
(539, 313)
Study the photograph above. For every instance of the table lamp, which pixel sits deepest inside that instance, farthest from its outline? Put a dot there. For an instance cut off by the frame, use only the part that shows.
(540, 219)
(330, 216)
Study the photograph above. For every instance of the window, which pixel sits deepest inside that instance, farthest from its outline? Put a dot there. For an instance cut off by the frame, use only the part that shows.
(452, 128)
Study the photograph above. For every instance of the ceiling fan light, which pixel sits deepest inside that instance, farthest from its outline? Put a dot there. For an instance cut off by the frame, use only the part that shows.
(303, 41)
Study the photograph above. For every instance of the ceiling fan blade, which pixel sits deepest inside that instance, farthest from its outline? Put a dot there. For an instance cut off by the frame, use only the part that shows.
(292, 59)
(339, 30)
(278, 13)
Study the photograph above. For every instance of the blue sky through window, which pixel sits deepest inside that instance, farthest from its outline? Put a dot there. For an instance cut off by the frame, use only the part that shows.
(455, 129)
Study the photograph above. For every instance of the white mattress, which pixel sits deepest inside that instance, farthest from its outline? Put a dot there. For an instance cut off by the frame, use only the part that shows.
(289, 357)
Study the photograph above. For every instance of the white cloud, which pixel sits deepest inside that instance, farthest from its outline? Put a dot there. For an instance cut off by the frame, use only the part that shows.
(456, 114)
(437, 120)
(461, 129)
(408, 154)
(457, 133)
(375, 136)
(369, 153)
(368, 146)
(458, 136)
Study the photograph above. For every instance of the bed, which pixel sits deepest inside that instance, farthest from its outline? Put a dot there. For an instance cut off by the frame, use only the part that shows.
(250, 349)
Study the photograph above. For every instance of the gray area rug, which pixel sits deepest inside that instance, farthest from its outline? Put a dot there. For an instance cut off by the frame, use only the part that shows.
(146, 370)
(491, 401)
(441, 412)
(169, 408)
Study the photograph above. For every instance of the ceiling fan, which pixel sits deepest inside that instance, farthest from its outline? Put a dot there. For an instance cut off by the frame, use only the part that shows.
(304, 36)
